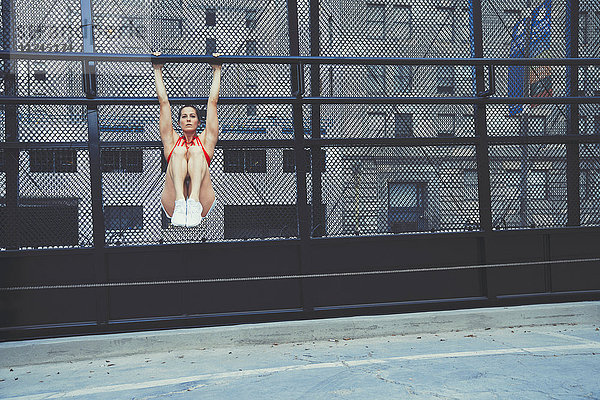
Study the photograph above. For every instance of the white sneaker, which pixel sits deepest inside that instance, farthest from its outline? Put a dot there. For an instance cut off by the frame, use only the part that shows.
(179, 214)
(194, 213)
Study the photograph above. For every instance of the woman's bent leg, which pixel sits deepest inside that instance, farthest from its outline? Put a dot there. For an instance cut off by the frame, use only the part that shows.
(177, 171)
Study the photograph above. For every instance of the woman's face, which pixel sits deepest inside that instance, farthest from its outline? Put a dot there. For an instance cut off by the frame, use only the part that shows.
(189, 119)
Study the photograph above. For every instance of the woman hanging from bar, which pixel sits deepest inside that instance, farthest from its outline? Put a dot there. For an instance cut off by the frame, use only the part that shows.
(188, 195)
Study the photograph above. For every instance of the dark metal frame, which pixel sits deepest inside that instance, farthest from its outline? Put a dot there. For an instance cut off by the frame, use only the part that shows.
(310, 253)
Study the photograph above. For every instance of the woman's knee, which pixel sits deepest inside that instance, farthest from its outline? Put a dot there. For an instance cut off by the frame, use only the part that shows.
(195, 153)
(179, 152)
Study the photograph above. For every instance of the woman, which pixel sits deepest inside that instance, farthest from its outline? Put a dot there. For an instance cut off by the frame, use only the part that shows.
(188, 195)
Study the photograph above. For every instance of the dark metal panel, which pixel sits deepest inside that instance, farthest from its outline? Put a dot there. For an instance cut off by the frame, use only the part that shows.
(394, 253)
(46, 306)
(585, 276)
(515, 248)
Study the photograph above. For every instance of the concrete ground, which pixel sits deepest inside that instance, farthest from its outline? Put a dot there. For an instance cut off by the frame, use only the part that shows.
(528, 352)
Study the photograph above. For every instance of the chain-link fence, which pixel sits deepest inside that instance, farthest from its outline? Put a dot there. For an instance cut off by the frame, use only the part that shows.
(372, 168)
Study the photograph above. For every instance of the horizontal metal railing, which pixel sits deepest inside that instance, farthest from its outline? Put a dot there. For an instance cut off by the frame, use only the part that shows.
(240, 59)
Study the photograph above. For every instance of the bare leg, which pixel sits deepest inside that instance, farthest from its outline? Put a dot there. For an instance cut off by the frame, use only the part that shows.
(177, 168)
(196, 168)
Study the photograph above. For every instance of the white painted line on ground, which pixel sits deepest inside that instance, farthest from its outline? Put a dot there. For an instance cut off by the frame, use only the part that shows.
(288, 368)
(571, 338)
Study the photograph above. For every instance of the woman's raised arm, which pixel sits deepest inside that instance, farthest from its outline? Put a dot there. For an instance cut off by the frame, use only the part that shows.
(165, 122)
(212, 122)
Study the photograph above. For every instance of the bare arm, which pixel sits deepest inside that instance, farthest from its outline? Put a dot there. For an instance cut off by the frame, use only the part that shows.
(212, 122)
(165, 123)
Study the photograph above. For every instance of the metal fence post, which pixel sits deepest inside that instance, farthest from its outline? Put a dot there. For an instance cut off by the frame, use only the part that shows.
(11, 128)
(317, 156)
(301, 191)
(573, 197)
(89, 82)
(482, 148)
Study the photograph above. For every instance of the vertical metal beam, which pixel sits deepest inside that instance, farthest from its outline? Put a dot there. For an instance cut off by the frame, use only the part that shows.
(317, 155)
(482, 151)
(301, 191)
(482, 148)
(573, 199)
(89, 83)
(11, 129)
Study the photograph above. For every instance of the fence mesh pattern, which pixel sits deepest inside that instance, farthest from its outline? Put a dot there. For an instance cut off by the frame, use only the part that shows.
(357, 182)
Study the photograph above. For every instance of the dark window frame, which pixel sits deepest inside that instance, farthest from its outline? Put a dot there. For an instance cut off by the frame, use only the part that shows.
(210, 17)
(51, 160)
(123, 160)
(245, 160)
(410, 125)
(414, 214)
(123, 213)
(211, 46)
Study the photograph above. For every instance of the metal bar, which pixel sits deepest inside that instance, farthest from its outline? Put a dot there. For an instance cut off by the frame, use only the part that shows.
(11, 128)
(302, 100)
(318, 211)
(297, 120)
(321, 142)
(573, 196)
(89, 71)
(482, 153)
(240, 59)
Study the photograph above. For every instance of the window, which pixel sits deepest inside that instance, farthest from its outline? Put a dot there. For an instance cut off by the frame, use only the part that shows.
(123, 217)
(233, 160)
(251, 48)
(250, 221)
(403, 125)
(211, 17)
(376, 124)
(63, 160)
(250, 110)
(376, 80)
(446, 24)
(537, 184)
(211, 46)
(255, 160)
(251, 16)
(583, 28)
(445, 79)
(403, 79)
(121, 160)
(406, 206)
(243, 160)
(375, 21)
(401, 22)
(446, 124)
(251, 78)
(470, 182)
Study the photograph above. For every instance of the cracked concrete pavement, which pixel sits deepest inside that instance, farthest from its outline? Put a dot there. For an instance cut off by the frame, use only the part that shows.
(535, 352)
